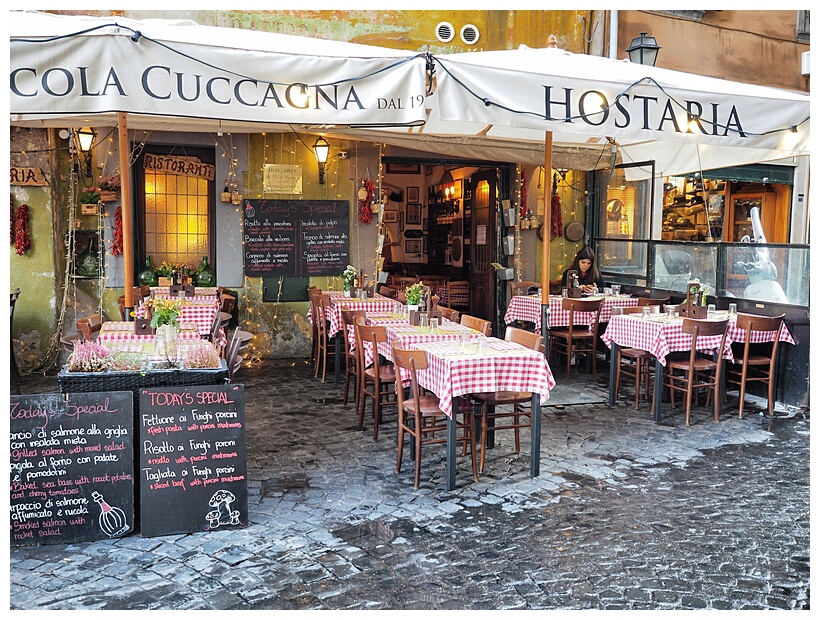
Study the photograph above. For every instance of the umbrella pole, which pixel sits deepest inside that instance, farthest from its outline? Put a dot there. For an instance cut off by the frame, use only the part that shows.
(125, 205)
(545, 252)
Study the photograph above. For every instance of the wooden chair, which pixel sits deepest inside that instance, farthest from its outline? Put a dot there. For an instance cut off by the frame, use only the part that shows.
(401, 296)
(449, 313)
(403, 281)
(492, 400)
(635, 363)
(227, 303)
(555, 287)
(420, 416)
(698, 370)
(121, 305)
(349, 319)
(387, 291)
(482, 325)
(458, 294)
(654, 301)
(314, 329)
(221, 320)
(321, 312)
(234, 355)
(381, 375)
(759, 361)
(522, 288)
(578, 340)
(68, 341)
(90, 326)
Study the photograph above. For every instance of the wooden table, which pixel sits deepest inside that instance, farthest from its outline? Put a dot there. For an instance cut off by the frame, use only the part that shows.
(458, 370)
(200, 312)
(660, 335)
(528, 308)
(339, 301)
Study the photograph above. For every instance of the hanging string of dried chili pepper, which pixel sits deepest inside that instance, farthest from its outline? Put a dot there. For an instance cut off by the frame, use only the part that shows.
(11, 224)
(116, 244)
(557, 218)
(365, 214)
(525, 209)
(22, 239)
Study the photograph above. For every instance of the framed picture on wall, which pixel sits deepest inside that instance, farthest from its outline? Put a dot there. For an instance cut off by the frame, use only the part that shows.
(394, 168)
(412, 246)
(457, 188)
(413, 214)
(412, 194)
(391, 216)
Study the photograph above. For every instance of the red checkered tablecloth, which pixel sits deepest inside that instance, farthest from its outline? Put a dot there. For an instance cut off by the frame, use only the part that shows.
(528, 308)
(461, 297)
(413, 335)
(660, 336)
(200, 291)
(453, 370)
(123, 331)
(197, 297)
(200, 312)
(378, 303)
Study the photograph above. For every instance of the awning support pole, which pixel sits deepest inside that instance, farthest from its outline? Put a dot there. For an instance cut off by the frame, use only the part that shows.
(125, 205)
(545, 250)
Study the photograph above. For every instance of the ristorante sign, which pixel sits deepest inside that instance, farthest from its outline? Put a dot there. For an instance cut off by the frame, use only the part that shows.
(114, 70)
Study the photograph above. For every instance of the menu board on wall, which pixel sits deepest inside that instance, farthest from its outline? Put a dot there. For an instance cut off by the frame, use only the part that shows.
(296, 237)
(72, 467)
(193, 469)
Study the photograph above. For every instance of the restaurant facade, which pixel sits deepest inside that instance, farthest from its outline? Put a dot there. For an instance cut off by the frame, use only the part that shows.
(414, 206)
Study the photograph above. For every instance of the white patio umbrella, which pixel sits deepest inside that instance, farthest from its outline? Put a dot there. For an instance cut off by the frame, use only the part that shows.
(175, 75)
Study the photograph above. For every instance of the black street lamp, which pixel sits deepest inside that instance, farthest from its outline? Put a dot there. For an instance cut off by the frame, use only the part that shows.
(643, 50)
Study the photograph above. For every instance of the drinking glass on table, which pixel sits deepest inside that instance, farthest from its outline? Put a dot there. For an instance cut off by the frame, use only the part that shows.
(423, 320)
(616, 289)
(433, 325)
(733, 311)
(645, 312)
(710, 310)
(670, 311)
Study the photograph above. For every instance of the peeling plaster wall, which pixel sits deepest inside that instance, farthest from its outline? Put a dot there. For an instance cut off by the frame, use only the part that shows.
(35, 271)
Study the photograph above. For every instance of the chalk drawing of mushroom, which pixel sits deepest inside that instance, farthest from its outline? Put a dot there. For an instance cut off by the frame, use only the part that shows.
(222, 515)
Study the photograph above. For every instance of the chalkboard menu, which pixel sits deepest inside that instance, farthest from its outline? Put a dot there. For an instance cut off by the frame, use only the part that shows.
(72, 467)
(193, 472)
(296, 237)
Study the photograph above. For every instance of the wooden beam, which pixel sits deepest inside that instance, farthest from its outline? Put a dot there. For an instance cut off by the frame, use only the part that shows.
(125, 205)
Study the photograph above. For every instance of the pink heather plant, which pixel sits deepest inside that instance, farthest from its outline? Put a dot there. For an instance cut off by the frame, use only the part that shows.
(88, 357)
(201, 355)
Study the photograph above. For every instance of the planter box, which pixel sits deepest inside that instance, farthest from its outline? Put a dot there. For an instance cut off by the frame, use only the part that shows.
(509, 217)
(136, 380)
(90, 208)
(509, 245)
(109, 195)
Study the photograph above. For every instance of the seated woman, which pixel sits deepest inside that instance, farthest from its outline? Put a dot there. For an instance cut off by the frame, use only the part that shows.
(588, 274)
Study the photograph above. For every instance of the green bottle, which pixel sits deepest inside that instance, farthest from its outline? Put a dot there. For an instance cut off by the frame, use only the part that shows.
(148, 276)
(205, 276)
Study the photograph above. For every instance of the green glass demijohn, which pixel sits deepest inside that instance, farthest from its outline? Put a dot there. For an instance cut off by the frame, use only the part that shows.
(205, 275)
(148, 276)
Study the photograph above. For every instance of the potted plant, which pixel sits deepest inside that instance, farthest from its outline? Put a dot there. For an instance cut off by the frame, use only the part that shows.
(165, 317)
(413, 294)
(201, 355)
(109, 187)
(348, 279)
(88, 356)
(89, 199)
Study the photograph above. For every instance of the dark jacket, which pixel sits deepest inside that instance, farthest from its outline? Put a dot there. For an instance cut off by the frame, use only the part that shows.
(584, 280)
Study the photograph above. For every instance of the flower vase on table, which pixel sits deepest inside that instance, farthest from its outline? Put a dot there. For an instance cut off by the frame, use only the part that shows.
(348, 279)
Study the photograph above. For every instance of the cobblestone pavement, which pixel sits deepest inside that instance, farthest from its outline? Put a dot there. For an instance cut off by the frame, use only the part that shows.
(626, 514)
